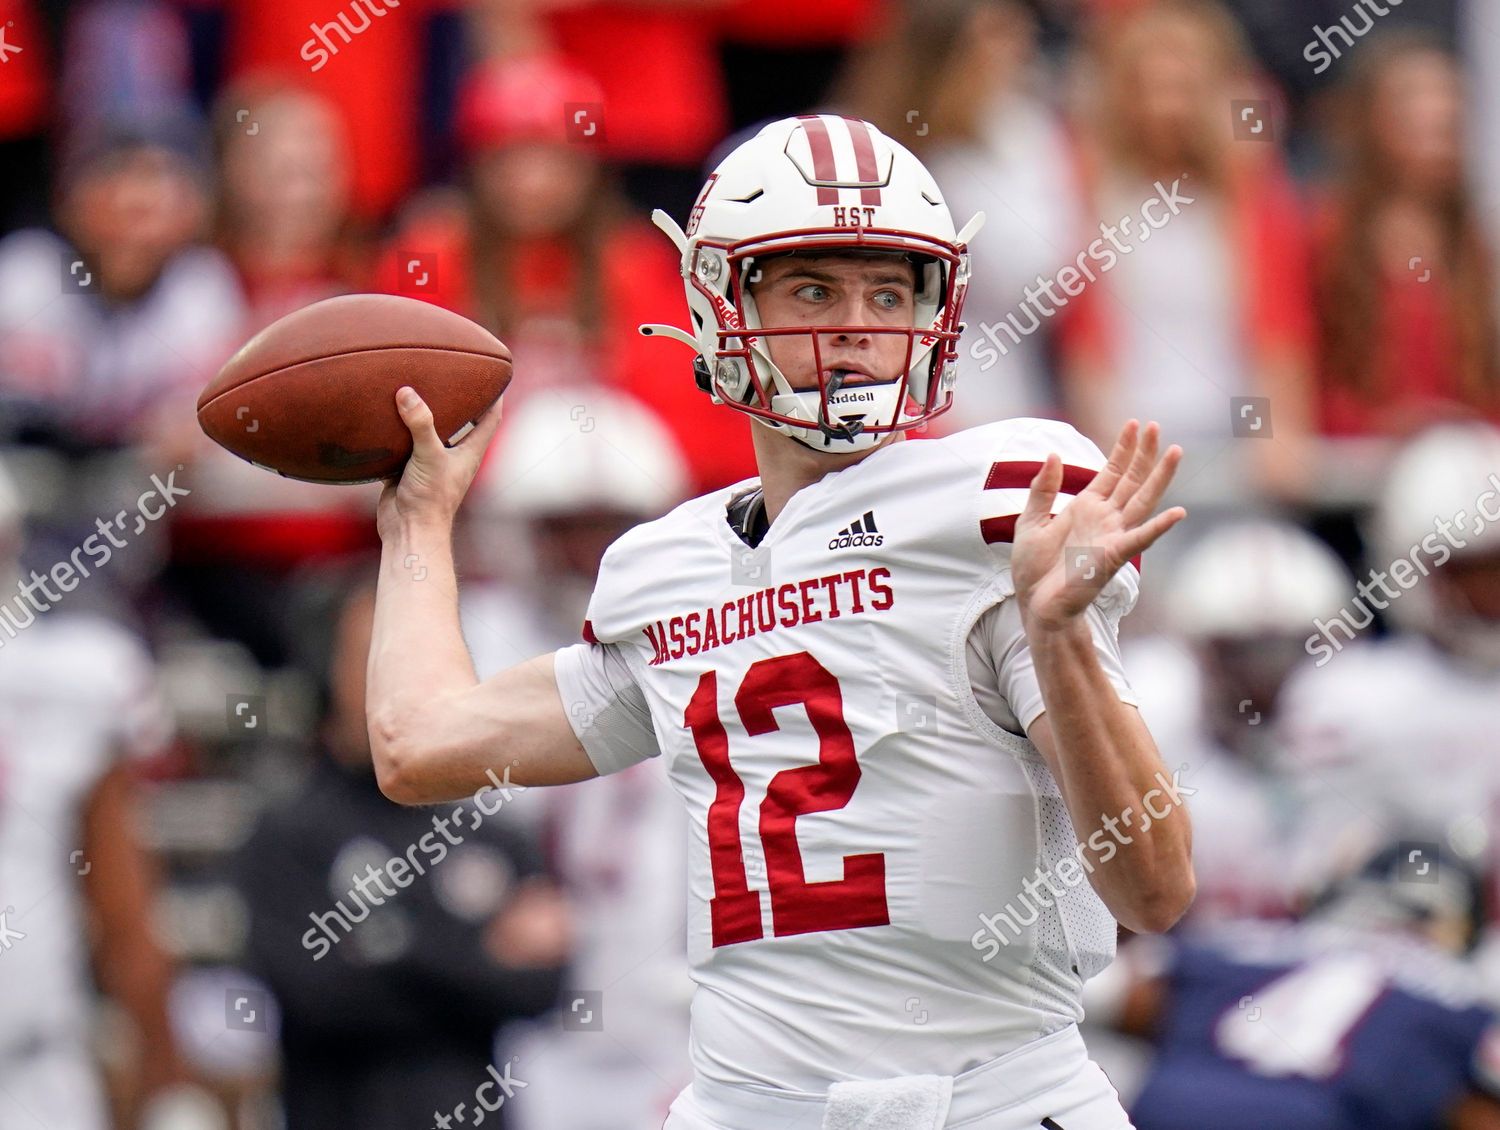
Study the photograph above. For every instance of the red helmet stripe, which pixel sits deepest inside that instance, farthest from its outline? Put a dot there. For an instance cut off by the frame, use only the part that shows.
(821, 145)
(864, 156)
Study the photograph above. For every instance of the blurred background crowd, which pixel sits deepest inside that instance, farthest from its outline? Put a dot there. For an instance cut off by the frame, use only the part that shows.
(202, 918)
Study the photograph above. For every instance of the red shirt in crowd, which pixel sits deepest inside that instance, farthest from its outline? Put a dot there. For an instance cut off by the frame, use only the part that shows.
(1415, 358)
(664, 100)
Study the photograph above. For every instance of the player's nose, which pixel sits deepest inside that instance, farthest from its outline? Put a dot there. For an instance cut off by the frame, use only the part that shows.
(853, 318)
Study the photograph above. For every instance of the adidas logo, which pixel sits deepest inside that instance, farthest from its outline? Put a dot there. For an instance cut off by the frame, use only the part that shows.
(860, 532)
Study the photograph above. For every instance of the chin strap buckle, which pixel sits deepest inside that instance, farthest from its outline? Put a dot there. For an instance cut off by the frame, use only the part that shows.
(832, 432)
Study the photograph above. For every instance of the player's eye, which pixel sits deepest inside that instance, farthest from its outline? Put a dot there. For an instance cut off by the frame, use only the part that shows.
(812, 292)
(890, 300)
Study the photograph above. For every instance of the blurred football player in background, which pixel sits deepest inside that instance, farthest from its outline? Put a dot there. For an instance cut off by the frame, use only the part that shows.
(1237, 606)
(78, 703)
(572, 471)
(1359, 1017)
(391, 992)
(1397, 735)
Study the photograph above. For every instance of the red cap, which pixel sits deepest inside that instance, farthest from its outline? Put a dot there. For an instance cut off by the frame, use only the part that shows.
(528, 98)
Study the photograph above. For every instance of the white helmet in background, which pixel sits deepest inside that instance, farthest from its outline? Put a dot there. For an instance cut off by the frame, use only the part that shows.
(1448, 475)
(1255, 578)
(562, 451)
(829, 184)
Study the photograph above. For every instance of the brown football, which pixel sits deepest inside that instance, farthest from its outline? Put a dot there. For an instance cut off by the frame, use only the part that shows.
(313, 395)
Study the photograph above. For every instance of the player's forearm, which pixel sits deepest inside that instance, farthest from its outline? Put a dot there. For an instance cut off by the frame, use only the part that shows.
(436, 732)
(418, 657)
(1133, 826)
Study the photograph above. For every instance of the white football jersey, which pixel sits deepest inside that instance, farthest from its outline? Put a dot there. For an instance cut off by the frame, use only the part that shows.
(1245, 815)
(852, 809)
(77, 693)
(1392, 740)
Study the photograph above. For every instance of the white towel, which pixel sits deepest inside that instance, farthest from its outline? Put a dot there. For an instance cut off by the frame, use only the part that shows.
(911, 1102)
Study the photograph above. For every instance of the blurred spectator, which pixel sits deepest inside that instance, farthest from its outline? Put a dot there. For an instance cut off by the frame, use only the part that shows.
(390, 996)
(1239, 603)
(284, 190)
(1361, 1017)
(956, 82)
(283, 221)
(1396, 736)
(559, 489)
(365, 58)
(1216, 305)
(660, 106)
(541, 251)
(1406, 279)
(78, 703)
(108, 330)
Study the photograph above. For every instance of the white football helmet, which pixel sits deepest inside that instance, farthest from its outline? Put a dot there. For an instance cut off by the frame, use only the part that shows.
(820, 183)
(1448, 475)
(564, 450)
(1256, 577)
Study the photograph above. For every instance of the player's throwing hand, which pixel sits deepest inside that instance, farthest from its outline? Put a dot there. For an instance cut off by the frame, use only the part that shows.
(1109, 522)
(436, 477)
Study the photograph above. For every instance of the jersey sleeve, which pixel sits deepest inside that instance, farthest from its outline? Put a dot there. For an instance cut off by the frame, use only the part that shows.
(605, 706)
(1003, 676)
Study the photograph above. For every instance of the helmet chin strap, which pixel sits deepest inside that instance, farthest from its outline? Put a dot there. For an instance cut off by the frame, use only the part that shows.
(820, 433)
(836, 431)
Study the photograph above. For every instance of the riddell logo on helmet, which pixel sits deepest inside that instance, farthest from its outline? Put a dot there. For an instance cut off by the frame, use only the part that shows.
(860, 532)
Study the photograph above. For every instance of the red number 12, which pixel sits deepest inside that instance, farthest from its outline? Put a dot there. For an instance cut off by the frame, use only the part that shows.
(797, 906)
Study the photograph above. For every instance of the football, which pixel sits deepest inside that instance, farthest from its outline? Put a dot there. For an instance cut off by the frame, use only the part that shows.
(312, 396)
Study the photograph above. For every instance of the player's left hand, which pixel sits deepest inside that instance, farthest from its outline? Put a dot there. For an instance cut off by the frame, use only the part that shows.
(1061, 562)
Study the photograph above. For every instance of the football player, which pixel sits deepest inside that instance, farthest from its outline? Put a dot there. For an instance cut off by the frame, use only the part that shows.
(79, 702)
(562, 486)
(1360, 1017)
(883, 677)
(1395, 736)
(1210, 689)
